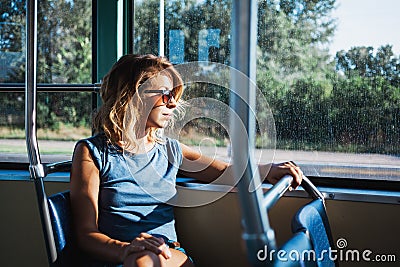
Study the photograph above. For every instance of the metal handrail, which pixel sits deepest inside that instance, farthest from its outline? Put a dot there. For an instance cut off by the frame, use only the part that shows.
(311, 189)
(51, 88)
(36, 168)
(283, 185)
(62, 166)
(276, 192)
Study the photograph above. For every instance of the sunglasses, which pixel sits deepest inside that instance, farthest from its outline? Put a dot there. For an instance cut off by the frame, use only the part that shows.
(167, 95)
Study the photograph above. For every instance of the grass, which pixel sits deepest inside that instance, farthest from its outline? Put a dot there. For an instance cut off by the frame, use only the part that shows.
(64, 133)
(13, 140)
(18, 146)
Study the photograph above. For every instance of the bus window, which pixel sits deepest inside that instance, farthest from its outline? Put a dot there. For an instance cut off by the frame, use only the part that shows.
(335, 108)
(64, 58)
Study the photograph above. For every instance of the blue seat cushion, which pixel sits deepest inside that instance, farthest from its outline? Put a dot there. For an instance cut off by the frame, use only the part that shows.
(312, 220)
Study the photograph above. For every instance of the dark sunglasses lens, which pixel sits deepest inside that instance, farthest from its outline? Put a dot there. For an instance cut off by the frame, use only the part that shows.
(166, 97)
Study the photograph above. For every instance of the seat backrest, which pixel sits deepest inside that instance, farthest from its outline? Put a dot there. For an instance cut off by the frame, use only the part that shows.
(312, 220)
(68, 253)
(60, 216)
(296, 252)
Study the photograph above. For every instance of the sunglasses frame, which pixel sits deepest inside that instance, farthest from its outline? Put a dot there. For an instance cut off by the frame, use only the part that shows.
(167, 95)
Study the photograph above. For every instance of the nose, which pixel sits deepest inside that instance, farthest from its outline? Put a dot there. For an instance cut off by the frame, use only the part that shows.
(172, 102)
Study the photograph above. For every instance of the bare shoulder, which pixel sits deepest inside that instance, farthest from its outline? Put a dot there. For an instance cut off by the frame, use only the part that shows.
(84, 170)
(81, 151)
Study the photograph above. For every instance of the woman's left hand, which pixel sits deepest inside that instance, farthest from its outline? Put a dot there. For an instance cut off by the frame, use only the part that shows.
(279, 170)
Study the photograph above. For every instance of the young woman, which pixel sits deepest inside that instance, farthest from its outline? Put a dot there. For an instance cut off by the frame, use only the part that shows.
(123, 177)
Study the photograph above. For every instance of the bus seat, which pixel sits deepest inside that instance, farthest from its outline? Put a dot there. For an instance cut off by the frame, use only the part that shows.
(312, 220)
(68, 254)
(60, 216)
(60, 211)
(296, 252)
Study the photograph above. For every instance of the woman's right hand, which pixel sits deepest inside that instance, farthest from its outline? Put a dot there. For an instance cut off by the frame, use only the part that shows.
(146, 241)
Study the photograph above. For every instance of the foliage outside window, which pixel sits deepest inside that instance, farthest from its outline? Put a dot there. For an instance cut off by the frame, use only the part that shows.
(348, 102)
(64, 57)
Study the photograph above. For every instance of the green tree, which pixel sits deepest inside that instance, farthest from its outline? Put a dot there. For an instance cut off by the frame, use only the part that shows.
(292, 36)
(365, 100)
(294, 69)
(363, 61)
(64, 56)
(146, 27)
(304, 114)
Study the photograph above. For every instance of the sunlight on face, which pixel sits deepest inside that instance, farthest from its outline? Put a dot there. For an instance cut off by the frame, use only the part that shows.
(159, 113)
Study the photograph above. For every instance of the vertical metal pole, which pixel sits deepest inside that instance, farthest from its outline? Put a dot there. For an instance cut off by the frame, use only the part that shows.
(36, 168)
(128, 26)
(120, 28)
(95, 79)
(242, 99)
(30, 87)
(161, 52)
(124, 27)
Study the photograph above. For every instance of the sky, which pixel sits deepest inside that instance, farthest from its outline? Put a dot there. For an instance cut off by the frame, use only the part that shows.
(367, 23)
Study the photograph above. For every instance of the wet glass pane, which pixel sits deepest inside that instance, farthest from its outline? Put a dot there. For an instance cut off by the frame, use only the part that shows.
(328, 69)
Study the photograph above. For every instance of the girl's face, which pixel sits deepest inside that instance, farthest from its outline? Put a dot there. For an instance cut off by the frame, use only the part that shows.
(159, 101)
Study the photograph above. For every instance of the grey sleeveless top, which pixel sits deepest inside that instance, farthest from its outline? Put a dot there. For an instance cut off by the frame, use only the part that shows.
(134, 188)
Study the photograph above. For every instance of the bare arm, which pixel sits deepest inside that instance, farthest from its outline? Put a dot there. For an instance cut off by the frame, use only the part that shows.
(208, 170)
(85, 183)
(202, 167)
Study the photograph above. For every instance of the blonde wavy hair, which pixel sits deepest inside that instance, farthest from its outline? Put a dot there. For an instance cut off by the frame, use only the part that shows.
(122, 111)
